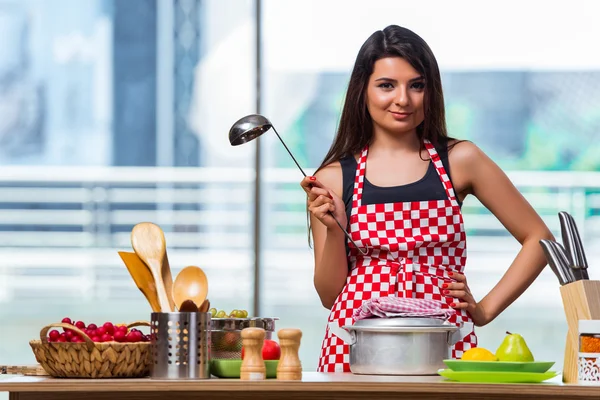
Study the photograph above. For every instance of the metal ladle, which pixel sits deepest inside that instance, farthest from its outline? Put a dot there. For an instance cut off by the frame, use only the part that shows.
(252, 126)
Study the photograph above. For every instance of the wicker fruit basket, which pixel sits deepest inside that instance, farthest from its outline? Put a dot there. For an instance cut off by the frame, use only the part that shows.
(90, 359)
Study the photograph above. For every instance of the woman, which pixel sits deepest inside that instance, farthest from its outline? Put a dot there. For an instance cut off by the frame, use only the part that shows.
(387, 178)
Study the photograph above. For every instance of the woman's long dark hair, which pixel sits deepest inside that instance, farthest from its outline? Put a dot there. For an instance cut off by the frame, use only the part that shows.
(355, 129)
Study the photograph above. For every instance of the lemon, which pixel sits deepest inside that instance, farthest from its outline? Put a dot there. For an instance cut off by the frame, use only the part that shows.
(479, 354)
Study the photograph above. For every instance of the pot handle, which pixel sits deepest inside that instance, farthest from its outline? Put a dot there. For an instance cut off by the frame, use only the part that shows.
(342, 333)
(463, 331)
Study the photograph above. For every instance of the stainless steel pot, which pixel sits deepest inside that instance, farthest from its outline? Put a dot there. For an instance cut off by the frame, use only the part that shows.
(399, 346)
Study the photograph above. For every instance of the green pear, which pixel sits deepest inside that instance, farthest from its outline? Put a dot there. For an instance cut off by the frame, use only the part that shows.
(514, 348)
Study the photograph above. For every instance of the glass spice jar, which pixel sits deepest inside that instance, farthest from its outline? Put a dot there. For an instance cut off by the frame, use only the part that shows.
(588, 364)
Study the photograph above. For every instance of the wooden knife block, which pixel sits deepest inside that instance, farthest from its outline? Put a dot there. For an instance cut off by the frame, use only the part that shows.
(581, 300)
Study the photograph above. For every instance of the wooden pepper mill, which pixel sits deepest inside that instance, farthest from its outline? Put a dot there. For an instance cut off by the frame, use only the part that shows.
(289, 366)
(253, 366)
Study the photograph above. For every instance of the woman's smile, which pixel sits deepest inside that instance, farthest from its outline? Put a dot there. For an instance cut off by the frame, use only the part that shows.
(400, 116)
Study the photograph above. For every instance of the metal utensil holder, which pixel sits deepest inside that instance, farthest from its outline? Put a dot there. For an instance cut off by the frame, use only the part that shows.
(180, 345)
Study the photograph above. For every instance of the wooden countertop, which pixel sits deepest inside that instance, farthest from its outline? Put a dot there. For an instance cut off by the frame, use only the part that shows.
(313, 385)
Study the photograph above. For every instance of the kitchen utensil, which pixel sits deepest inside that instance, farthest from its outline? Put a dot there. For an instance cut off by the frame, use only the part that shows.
(399, 346)
(568, 238)
(222, 368)
(180, 345)
(188, 306)
(252, 126)
(226, 338)
(205, 306)
(190, 284)
(498, 366)
(148, 241)
(553, 261)
(142, 277)
(497, 377)
(168, 279)
(573, 245)
(563, 260)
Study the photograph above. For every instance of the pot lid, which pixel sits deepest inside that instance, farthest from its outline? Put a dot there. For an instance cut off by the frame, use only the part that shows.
(398, 322)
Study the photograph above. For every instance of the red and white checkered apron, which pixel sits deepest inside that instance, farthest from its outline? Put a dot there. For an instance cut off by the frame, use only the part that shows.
(411, 248)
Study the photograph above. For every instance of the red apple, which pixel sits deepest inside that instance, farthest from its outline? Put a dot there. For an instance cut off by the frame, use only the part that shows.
(229, 341)
(270, 350)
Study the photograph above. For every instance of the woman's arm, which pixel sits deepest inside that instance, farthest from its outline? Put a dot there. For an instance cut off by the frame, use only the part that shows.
(329, 242)
(477, 174)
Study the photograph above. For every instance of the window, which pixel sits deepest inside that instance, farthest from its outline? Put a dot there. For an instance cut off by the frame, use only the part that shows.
(526, 97)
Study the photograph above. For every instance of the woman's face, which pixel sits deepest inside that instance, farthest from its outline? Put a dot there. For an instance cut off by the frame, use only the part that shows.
(395, 95)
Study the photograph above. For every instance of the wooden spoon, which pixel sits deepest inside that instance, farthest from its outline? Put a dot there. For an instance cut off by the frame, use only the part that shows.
(188, 306)
(142, 277)
(148, 241)
(205, 306)
(168, 280)
(190, 284)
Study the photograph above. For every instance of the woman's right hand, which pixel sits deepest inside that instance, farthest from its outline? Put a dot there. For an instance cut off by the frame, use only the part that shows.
(321, 201)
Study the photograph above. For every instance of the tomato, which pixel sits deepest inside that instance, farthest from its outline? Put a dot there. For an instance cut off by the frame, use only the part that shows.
(270, 350)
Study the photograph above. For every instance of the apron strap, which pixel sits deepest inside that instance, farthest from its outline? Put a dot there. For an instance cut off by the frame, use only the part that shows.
(439, 167)
(359, 178)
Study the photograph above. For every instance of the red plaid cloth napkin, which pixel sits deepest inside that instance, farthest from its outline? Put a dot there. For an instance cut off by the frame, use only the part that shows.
(387, 307)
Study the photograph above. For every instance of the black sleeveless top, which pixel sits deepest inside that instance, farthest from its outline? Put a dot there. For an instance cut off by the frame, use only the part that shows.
(429, 187)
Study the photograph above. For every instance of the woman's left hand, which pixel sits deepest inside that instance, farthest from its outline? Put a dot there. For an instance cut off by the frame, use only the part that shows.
(464, 300)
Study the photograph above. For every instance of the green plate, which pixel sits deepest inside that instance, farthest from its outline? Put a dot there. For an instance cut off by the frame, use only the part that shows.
(499, 366)
(223, 368)
(496, 377)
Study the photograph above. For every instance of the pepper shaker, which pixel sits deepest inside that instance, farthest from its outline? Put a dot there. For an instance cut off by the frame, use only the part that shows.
(289, 366)
(253, 366)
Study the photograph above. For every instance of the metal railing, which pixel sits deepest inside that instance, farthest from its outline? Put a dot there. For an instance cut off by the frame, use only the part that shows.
(61, 227)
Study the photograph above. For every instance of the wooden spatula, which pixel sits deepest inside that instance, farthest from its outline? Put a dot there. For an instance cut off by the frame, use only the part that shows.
(142, 277)
(148, 242)
(168, 280)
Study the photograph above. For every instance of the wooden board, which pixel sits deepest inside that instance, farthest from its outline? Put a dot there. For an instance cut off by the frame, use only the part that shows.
(33, 370)
(581, 300)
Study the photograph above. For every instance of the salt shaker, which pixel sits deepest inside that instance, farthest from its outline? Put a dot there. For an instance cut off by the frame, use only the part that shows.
(253, 366)
(289, 366)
